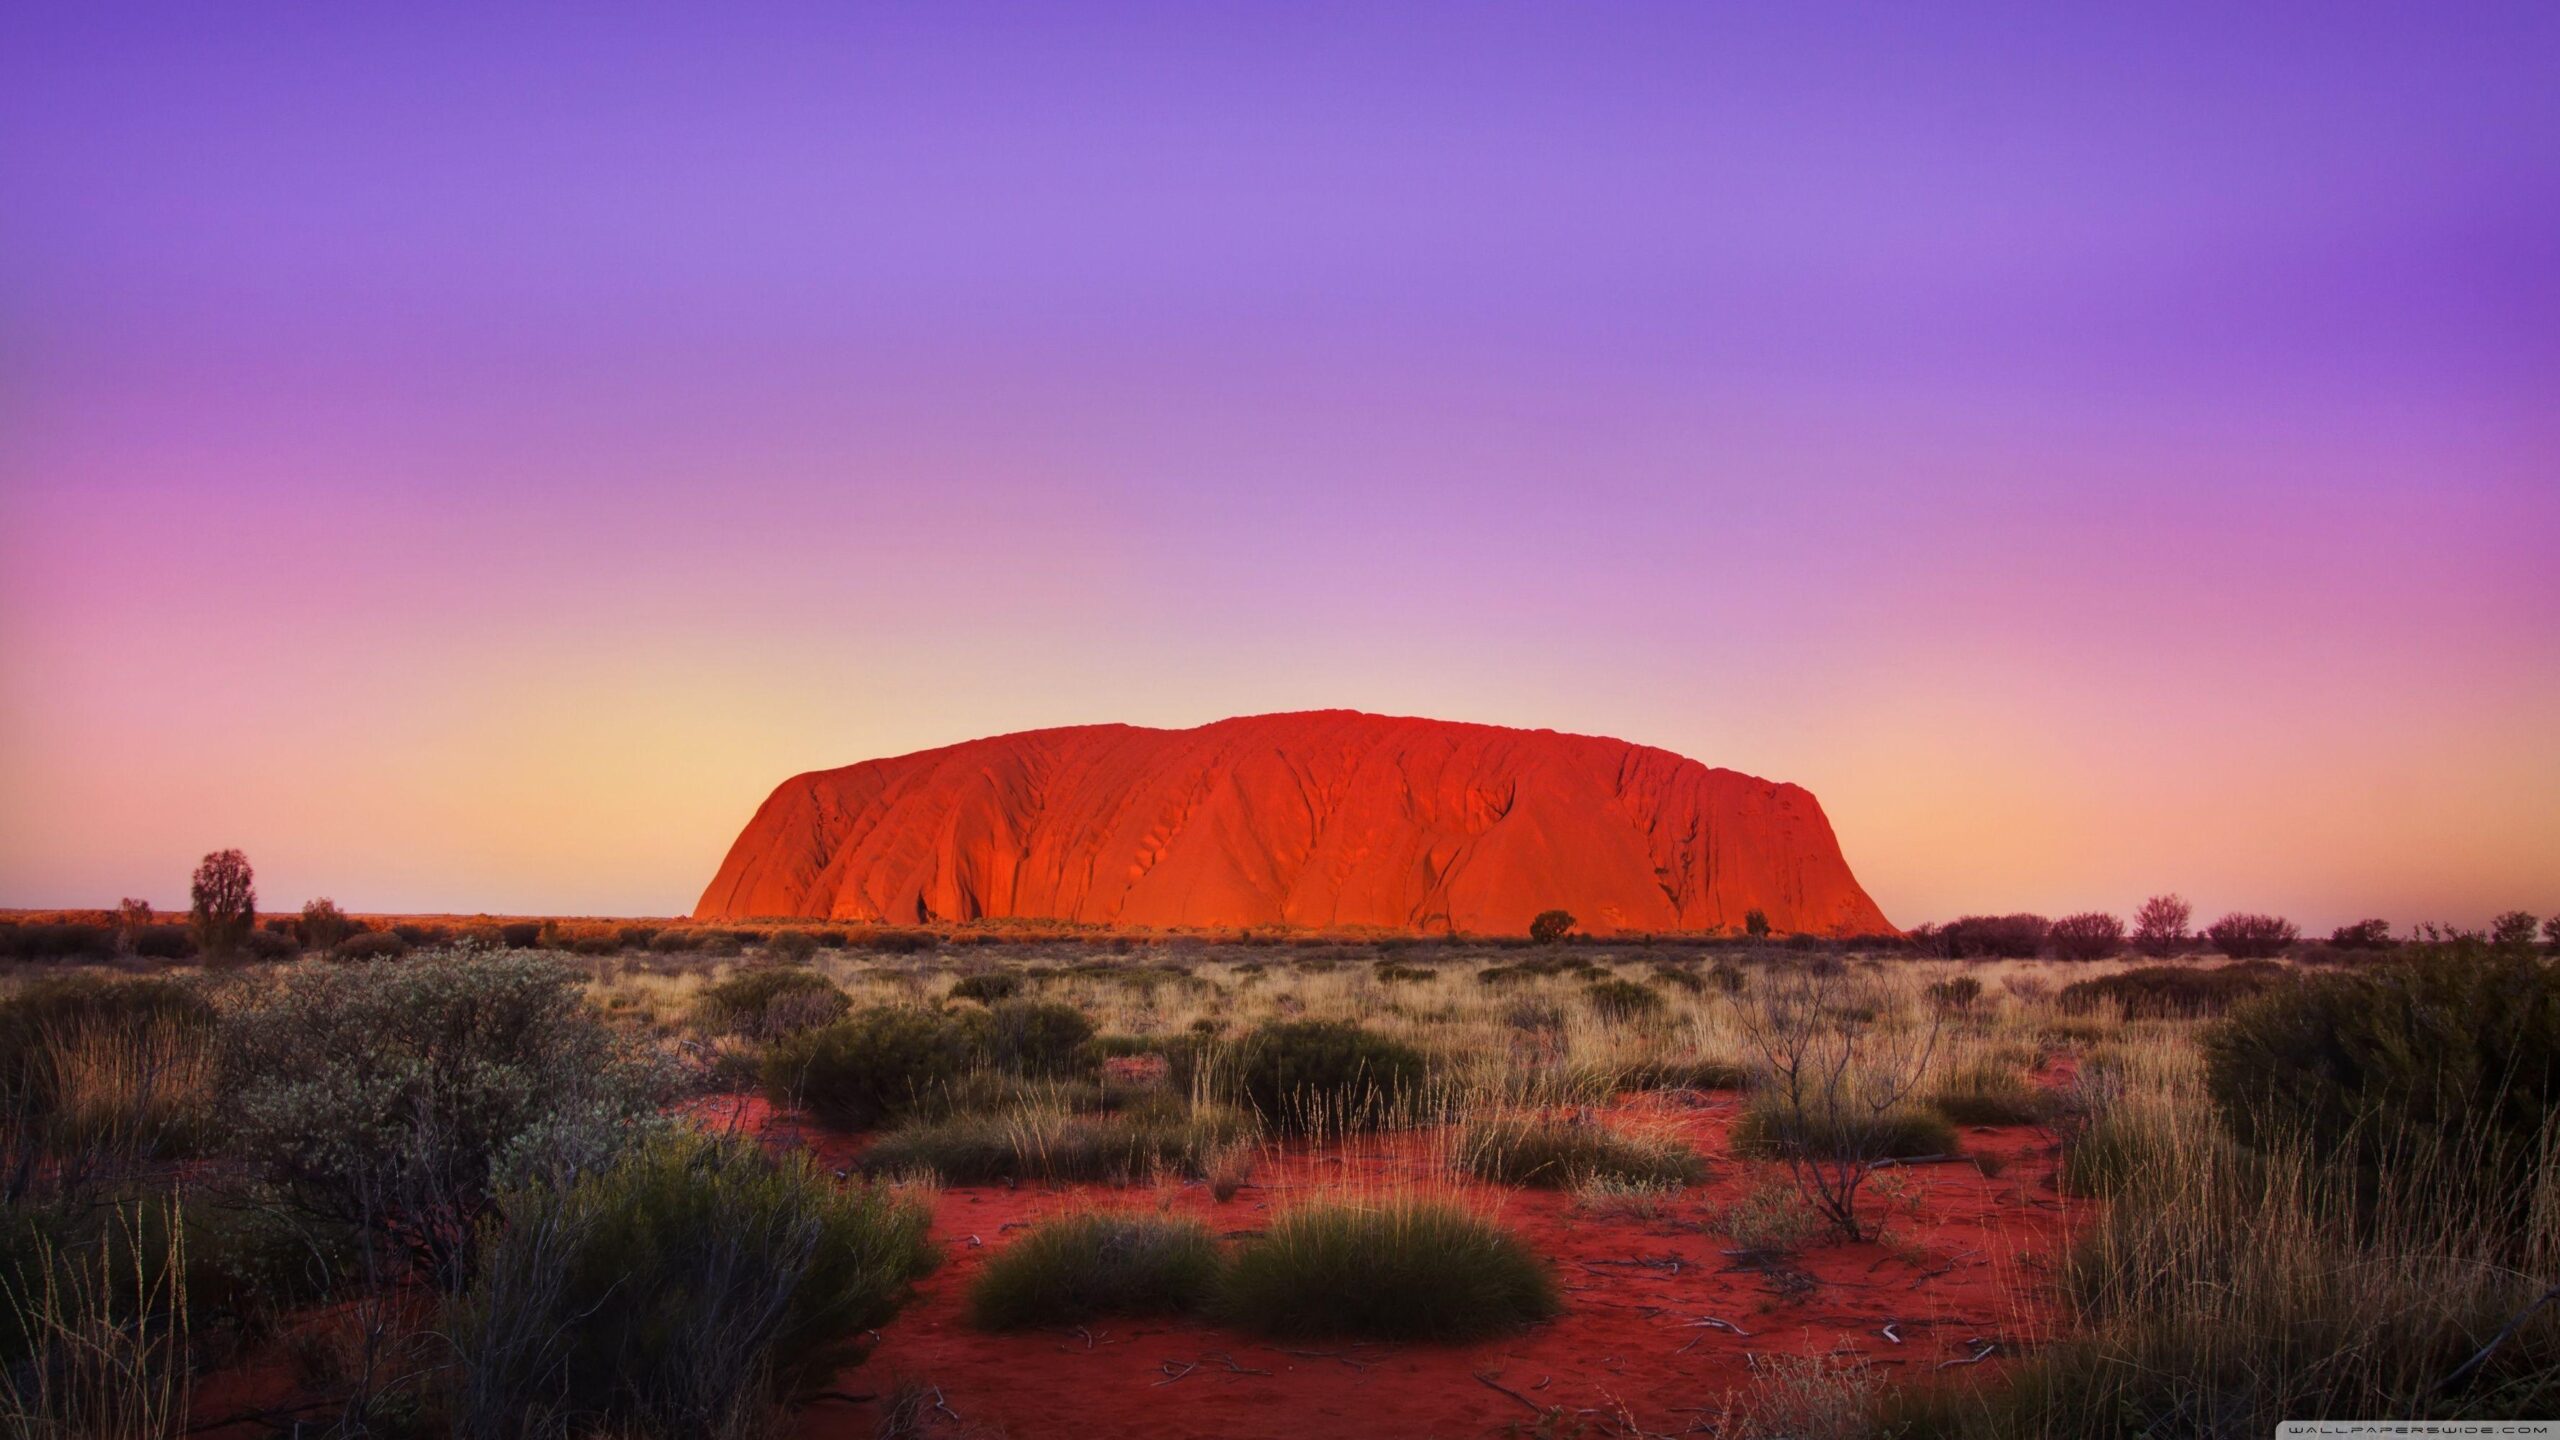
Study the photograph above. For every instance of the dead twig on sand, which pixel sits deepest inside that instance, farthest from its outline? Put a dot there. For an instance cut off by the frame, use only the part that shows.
(1989, 1347)
(1488, 1382)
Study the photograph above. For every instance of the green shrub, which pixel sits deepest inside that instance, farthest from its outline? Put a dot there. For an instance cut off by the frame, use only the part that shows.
(876, 1064)
(1988, 1094)
(770, 1002)
(1550, 926)
(1303, 1075)
(1622, 1001)
(988, 988)
(2453, 1057)
(398, 1098)
(1562, 1154)
(683, 1291)
(2155, 991)
(1035, 1037)
(1060, 1147)
(1401, 1269)
(1078, 1267)
(1768, 1128)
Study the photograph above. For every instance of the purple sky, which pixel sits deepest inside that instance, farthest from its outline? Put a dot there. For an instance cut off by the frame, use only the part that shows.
(466, 458)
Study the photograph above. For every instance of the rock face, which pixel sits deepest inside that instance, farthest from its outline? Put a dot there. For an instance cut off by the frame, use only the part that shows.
(1324, 820)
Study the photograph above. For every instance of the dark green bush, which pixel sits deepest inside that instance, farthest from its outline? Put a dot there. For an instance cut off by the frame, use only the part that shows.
(267, 945)
(683, 1291)
(163, 942)
(1988, 1094)
(1956, 996)
(1621, 1001)
(2154, 991)
(988, 988)
(770, 1002)
(1557, 1153)
(370, 946)
(1303, 1075)
(2093, 935)
(1079, 1267)
(1769, 1128)
(1401, 1269)
(2362, 935)
(876, 1064)
(2450, 1061)
(2252, 937)
(1035, 1037)
(791, 947)
(1550, 926)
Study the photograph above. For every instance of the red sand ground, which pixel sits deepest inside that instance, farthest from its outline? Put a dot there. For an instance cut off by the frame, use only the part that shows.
(1322, 820)
(1966, 1259)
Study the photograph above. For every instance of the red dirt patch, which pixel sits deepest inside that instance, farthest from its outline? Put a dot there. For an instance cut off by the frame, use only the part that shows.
(1965, 1258)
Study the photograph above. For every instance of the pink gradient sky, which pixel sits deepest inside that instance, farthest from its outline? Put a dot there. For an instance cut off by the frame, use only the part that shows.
(465, 460)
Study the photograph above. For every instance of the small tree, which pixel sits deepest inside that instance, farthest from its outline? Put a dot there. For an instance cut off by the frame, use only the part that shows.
(2512, 931)
(324, 925)
(225, 905)
(2160, 926)
(2362, 935)
(132, 918)
(1834, 1079)
(1755, 923)
(1550, 926)
(2551, 932)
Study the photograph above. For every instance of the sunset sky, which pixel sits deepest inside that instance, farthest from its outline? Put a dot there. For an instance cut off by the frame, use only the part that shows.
(466, 459)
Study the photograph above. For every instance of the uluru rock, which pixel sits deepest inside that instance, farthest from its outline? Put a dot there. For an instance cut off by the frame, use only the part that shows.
(1324, 820)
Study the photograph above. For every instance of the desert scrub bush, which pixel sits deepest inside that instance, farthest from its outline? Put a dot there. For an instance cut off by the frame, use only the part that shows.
(369, 946)
(1987, 1093)
(1549, 927)
(1562, 1153)
(1326, 1075)
(2251, 937)
(1077, 1267)
(791, 947)
(2454, 1055)
(1770, 1217)
(1612, 1198)
(1987, 937)
(2158, 991)
(2091, 935)
(684, 1290)
(1955, 996)
(988, 988)
(1061, 1147)
(1034, 1037)
(770, 1002)
(1403, 1268)
(1769, 1128)
(1623, 1001)
(877, 1064)
(400, 1098)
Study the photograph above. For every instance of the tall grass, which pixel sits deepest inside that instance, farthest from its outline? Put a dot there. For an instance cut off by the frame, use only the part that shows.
(106, 1333)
